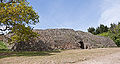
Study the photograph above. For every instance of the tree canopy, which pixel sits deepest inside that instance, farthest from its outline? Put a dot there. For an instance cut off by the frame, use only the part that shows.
(98, 30)
(113, 32)
(91, 30)
(17, 16)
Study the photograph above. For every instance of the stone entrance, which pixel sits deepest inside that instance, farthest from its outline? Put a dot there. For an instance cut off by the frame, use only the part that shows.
(81, 44)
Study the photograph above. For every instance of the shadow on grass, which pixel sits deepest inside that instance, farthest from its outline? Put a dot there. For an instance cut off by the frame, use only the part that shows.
(7, 53)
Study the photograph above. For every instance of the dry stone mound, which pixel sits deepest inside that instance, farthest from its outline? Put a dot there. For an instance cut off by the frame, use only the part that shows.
(52, 39)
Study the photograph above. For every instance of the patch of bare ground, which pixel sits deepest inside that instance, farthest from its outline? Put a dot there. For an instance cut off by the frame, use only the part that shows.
(113, 58)
(64, 57)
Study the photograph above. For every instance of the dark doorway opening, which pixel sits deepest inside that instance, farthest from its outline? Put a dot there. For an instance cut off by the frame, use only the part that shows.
(81, 44)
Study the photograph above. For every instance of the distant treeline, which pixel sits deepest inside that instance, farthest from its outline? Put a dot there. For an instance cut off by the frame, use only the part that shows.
(113, 32)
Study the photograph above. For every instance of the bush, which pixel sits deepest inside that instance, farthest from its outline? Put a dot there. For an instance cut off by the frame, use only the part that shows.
(104, 34)
(117, 41)
(2, 45)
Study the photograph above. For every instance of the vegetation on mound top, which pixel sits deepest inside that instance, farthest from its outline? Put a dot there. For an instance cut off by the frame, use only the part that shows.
(104, 34)
(98, 30)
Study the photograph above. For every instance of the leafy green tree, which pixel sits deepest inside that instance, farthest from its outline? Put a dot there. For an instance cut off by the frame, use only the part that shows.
(115, 33)
(17, 16)
(91, 30)
(117, 41)
(101, 29)
(98, 30)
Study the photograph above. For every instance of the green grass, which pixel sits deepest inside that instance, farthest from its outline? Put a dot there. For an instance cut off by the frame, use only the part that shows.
(2, 45)
(7, 53)
(106, 34)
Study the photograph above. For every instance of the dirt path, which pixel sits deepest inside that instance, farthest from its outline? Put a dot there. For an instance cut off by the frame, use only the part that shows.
(92, 56)
(108, 59)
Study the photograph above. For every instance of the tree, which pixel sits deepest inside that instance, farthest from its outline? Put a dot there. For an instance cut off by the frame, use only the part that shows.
(11, 1)
(98, 30)
(115, 33)
(91, 30)
(17, 17)
(101, 29)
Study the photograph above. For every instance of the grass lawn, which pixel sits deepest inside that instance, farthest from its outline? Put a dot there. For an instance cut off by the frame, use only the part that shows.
(7, 53)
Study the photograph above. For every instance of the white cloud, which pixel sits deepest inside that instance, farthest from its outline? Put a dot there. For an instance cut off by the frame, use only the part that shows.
(110, 12)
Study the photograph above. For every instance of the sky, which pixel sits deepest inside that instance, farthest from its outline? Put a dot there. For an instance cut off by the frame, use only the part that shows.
(76, 14)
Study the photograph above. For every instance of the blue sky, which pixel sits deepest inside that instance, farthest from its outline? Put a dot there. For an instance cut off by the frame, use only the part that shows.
(75, 14)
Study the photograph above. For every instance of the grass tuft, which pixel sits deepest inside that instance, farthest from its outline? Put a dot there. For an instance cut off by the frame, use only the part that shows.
(2, 45)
